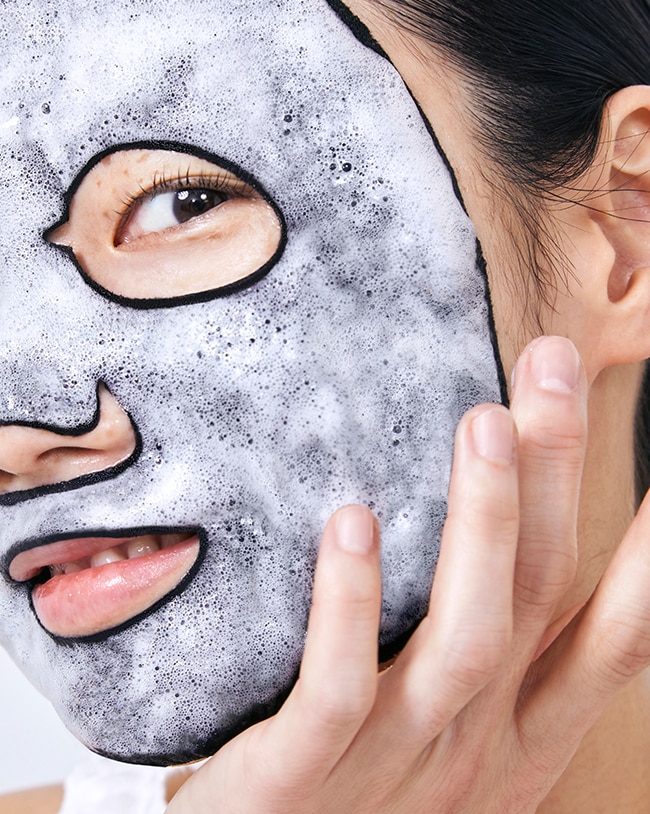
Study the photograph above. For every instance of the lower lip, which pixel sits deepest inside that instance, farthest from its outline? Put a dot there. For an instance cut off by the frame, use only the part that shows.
(98, 599)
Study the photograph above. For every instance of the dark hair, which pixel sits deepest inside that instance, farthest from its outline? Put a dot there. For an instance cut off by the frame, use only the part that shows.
(539, 74)
(541, 71)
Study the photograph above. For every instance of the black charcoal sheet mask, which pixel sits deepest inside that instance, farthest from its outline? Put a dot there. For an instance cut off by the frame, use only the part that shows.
(337, 375)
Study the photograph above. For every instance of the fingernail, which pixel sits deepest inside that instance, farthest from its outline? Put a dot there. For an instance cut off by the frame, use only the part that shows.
(493, 434)
(555, 365)
(355, 529)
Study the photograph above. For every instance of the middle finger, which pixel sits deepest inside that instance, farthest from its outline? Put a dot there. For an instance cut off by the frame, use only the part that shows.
(549, 407)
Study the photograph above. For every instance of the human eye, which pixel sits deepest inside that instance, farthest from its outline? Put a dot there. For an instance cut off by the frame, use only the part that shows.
(158, 226)
(172, 202)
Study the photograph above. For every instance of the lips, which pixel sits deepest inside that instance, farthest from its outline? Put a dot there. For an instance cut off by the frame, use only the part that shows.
(89, 585)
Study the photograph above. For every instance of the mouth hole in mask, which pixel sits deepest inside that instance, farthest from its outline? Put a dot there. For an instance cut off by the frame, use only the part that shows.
(153, 227)
(83, 587)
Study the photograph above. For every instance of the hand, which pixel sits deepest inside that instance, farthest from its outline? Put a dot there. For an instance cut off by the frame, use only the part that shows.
(460, 722)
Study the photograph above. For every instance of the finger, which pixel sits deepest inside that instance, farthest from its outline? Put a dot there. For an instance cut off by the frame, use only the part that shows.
(466, 635)
(549, 408)
(607, 649)
(338, 675)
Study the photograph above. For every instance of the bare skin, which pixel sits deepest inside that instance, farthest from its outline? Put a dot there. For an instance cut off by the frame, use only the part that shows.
(46, 800)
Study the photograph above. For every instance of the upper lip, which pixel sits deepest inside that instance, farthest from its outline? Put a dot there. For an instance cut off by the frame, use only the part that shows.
(29, 562)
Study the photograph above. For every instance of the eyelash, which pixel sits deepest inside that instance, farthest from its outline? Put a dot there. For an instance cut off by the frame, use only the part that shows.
(226, 183)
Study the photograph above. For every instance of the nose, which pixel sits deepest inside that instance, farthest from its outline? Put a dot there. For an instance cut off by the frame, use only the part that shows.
(32, 457)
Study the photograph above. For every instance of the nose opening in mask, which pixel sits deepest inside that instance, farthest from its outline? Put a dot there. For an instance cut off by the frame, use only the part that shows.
(36, 460)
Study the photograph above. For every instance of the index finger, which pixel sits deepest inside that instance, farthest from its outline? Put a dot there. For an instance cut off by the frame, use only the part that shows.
(338, 675)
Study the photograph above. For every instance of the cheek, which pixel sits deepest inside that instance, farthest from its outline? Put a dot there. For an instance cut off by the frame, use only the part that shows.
(507, 318)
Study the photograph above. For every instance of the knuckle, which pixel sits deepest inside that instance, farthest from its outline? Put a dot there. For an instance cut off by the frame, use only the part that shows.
(625, 648)
(464, 663)
(540, 753)
(361, 599)
(351, 602)
(488, 510)
(548, 441)
(475, 656)
(484, 510)
(541, 579)
(342, 707)
(264, 778)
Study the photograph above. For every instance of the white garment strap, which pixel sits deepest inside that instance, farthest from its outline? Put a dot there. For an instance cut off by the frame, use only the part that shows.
(101, 786)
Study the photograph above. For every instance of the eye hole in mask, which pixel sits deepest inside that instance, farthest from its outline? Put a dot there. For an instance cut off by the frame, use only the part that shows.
(155, 228)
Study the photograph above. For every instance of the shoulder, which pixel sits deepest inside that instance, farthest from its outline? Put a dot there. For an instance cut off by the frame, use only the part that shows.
(46, 800)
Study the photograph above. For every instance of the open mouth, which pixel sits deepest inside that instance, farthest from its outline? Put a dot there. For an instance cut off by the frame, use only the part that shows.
(87, 585)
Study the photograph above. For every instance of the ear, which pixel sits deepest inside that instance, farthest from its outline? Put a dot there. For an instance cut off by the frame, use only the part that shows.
(609, 236)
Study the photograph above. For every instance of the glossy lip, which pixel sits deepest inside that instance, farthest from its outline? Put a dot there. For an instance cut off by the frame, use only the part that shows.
(28, 563)
(97, 601)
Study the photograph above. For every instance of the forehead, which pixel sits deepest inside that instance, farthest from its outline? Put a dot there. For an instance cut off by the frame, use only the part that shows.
(263, 84)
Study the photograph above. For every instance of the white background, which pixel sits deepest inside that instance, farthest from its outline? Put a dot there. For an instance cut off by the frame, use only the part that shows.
(35, 748)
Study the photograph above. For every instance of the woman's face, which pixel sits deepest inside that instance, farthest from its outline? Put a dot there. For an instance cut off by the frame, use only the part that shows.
(238, 291)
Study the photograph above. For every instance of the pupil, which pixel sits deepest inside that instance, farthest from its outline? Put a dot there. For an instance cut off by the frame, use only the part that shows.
(188, 203)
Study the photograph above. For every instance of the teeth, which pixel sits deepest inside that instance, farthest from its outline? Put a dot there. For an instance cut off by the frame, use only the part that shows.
(65, 568)
(105, 557)
(171, 539)
(142, 546)
(138, 547)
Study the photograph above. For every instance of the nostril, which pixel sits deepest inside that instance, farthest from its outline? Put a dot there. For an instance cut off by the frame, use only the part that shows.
(43, 459)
